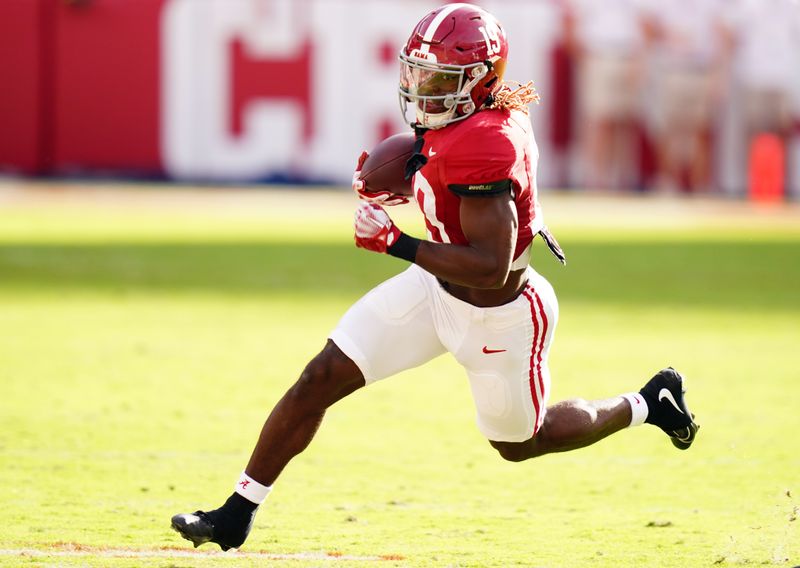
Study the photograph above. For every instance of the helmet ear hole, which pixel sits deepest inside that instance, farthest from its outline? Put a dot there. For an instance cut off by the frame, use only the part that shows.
(479, 71)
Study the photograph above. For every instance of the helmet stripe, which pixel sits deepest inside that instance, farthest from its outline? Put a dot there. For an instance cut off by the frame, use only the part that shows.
(434, 25)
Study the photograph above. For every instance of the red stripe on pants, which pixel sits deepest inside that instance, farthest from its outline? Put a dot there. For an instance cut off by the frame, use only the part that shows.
(535, 370)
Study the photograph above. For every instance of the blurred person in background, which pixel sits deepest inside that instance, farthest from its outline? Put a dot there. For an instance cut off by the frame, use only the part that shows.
(608, 41)
(688, 48)
(562, 97)
(767, 39)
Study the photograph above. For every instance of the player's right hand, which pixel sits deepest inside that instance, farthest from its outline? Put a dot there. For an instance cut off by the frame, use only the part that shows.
(374, 229)
(377, 197)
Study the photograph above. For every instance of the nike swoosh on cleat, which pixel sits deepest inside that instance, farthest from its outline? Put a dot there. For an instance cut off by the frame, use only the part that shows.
(664, 393)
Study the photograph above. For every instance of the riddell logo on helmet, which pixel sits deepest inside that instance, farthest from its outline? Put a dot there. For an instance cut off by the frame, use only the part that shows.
(417, 54)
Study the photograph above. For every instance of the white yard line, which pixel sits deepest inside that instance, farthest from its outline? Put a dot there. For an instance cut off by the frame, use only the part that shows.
(177, 553)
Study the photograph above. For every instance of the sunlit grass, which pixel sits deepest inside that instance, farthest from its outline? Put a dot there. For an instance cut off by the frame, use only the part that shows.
(144, 346)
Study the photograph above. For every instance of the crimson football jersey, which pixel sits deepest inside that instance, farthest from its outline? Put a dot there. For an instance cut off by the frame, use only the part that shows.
(492, 151)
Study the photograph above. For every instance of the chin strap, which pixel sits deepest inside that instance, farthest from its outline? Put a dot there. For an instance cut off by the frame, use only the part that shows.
(489, 86)
(417, 159)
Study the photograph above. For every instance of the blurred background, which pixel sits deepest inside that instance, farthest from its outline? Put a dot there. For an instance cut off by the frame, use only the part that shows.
(666, 96)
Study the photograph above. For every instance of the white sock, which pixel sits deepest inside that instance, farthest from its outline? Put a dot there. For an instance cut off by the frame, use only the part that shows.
(639, 409)
(251, 489)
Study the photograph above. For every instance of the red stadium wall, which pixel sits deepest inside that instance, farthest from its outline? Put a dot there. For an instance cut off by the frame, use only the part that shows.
(79, 86)
(106, 86)
(24, 94)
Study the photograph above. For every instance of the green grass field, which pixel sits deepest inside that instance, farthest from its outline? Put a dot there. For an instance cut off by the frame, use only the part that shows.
(145, 340)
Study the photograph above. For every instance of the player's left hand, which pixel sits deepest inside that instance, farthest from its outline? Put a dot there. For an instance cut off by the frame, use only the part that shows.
(377, 197)
(374, 230)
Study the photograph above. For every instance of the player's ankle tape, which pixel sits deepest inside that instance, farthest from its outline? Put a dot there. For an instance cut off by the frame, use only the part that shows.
(639, 409)
(251, 489)
(405, 248)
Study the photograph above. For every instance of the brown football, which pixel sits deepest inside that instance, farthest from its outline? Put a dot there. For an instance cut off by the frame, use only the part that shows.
(385, 168)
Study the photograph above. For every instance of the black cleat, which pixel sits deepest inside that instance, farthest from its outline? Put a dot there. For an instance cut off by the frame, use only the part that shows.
(667, 409)
(227, 526)
(196, 527)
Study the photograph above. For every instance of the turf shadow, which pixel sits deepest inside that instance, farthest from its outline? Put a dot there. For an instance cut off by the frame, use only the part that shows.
(743, 275)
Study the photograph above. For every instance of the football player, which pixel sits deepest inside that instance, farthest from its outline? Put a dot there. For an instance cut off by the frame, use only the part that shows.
(469, 289)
